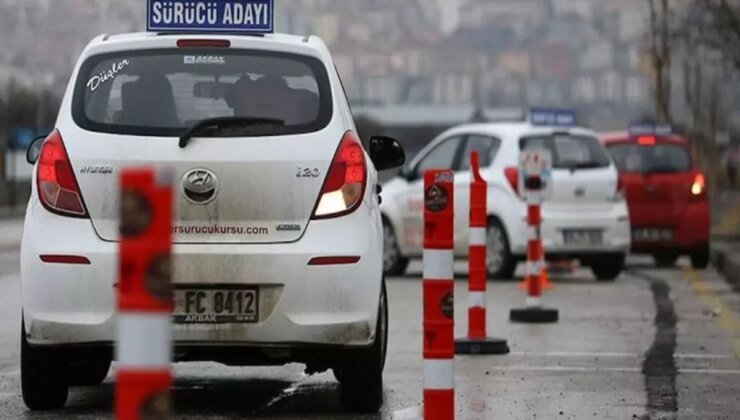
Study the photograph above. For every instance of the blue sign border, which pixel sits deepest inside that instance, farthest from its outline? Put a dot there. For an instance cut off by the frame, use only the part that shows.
(650, 129)
(150, 27)
(552, 117)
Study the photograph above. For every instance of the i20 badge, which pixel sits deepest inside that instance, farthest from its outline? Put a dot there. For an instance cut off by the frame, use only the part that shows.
(200, 186)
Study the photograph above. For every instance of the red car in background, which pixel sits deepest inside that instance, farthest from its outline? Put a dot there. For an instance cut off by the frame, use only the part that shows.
(666, 195)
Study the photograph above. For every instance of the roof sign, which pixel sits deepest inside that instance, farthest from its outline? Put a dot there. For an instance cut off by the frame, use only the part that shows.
(232, 16)
(552, 117)
(650, 129)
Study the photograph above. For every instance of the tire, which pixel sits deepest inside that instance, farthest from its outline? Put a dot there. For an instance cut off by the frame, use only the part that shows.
(89, 373)
(394, 264)
(500, 264)
(608, 267)
(700, 258)
(43, 377)
(361, 375)
(665, 259)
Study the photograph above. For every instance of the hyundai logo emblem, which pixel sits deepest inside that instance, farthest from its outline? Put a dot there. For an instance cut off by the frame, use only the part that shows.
(200, 186)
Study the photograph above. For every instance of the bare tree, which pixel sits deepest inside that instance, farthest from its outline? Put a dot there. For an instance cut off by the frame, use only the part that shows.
(720, 27)
(660, 53)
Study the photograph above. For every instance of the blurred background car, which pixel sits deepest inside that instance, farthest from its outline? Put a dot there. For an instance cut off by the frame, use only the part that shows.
(666, 194)
(584, 217)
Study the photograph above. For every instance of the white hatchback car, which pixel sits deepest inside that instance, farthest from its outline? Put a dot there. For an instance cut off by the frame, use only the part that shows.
(585, 217)
(275, 197)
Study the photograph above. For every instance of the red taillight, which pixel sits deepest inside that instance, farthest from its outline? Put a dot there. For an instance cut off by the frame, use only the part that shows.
(339, 260)
(699, 186)
(55, 180)
(65, 259)
(344, 186)
(203, 43)
(646, 141)
(512, 175)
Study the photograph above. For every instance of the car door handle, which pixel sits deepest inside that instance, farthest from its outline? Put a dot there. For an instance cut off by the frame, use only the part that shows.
(379, 189)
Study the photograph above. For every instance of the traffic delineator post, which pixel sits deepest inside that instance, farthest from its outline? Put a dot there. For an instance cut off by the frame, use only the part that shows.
(438, 291)
(533, 312)
(477, 340)
(546, 285)
(144, 334)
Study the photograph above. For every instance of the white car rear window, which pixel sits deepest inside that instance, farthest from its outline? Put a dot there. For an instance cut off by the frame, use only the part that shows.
(165, 92)
(570, 151)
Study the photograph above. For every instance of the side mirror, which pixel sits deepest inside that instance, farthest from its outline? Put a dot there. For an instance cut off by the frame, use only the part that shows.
(32, 153)
(386, 153)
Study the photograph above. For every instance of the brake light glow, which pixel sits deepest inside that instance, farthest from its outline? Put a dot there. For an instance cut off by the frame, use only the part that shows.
(344, 185)
(512, 175)
(646, 141)
(55, 180)
(203, 43)
(699, 185)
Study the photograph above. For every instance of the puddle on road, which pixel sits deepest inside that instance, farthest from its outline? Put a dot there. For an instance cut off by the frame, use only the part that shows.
(659, 366)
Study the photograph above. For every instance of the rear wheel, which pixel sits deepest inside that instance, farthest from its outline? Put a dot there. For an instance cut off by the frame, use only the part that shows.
(361, 375)
(665, 259)
(700, 258)
(43, 377)
(394, 264)
(608, 267)
(500, 264)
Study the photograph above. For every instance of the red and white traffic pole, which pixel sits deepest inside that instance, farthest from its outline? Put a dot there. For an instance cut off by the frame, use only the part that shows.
(144, 333)
(533, 312)
(439, 351)
(477, 341)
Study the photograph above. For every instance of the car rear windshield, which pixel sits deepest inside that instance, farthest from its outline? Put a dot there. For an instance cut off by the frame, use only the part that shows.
(570, 151)
(662, 158)
(165, 92)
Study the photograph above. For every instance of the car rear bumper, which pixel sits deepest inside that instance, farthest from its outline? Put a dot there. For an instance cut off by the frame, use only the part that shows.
(300, 304)
(318, 356)
(612, 222)
(689, 222)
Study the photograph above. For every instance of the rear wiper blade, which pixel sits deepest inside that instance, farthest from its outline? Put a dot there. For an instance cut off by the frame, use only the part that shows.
(659, 170)
(213, 124)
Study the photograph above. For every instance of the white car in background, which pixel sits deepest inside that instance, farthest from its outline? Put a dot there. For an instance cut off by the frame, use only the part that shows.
(277, 211)
(585, 217)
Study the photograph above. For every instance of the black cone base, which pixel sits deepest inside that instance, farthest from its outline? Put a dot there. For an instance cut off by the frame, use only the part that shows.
(534, 315)
(488, 345)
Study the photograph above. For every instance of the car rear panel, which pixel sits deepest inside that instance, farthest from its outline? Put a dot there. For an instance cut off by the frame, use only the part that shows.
(259, 198)
(584, 190)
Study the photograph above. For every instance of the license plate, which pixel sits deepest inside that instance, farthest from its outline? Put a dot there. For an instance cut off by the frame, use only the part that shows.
(652, 234)
(216, 306)
(582, 237)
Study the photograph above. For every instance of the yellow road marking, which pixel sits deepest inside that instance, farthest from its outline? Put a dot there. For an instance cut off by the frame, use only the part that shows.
(727, 319)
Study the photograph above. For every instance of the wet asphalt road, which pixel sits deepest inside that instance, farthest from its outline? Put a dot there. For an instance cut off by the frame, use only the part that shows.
(655, 344)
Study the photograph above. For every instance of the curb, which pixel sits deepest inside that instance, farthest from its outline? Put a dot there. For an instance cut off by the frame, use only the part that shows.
(727, 263)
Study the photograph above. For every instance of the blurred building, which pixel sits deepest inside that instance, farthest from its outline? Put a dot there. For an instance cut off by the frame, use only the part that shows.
(587, 54)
